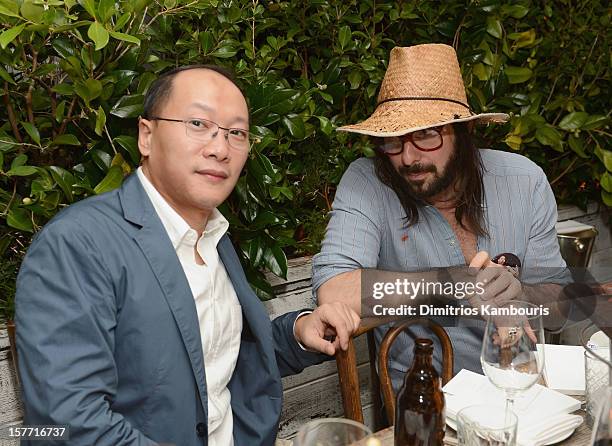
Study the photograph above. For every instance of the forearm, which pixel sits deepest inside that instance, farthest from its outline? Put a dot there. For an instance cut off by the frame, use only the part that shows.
(363, 289)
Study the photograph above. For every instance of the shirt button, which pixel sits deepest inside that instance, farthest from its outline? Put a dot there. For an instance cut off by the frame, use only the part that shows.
(201, 429)
(452, 243)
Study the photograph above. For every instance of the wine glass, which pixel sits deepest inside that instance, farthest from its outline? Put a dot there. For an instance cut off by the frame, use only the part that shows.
(331, 432)
(510, 356)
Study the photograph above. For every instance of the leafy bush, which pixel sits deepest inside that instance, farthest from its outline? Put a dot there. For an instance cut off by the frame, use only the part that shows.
(74, 73)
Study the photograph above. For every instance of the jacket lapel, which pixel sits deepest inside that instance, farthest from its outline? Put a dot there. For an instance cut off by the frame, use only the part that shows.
(159, 252)
(253, 311)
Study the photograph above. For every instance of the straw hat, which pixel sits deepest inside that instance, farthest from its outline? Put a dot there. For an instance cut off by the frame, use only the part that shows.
(422, 88)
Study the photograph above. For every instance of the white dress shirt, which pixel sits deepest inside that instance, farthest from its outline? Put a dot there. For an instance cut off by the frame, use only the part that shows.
(219, 311)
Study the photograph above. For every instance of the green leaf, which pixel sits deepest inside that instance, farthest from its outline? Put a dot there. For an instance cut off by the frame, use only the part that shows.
(5, 11)
(254, 251)
(128, 106)
(123, 20)
(32, 12)
(106, 9)
(64, 180)
(595, 122)
(7, 143)
(275, 260)
(19, 160)
(326, 125)
(206, 41)
(577, 145)
(606, 181)
(607, 198)
(295, 125)
(90, 6)
(607, 159)
(32, 131)
(111, 181)
(130, 144)
(22, 171)
(225, 52)
(344, 36)
(7, 77)
(88, 90)
(100, 121)
(10, 34)
(515, 11)
(517, 75)
(523, 39)
(125, 37)
(494, 27)
(70, 26)
(354, 78)
(20, 219)
(63, 89)
(514, 142)
(59, 111)
(481, 71)
(66, 140)
(549, 136)
(98, 34)
(573, 121)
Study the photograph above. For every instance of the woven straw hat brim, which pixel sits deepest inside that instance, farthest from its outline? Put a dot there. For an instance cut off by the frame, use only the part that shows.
(398, 118)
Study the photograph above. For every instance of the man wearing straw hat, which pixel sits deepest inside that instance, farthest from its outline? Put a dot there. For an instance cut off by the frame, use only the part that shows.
(431, 199)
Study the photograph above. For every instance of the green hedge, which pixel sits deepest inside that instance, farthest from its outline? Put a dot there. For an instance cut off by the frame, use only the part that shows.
(73, 76)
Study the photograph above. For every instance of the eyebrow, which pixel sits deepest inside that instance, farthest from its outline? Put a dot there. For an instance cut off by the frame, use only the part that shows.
(206, 108)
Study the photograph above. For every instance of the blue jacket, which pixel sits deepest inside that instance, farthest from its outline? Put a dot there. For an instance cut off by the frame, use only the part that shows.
(108, 337)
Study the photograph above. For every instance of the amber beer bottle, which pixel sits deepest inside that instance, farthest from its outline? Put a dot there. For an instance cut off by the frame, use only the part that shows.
(419, 408)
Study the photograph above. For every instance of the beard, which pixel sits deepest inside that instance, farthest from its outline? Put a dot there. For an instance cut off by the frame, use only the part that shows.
(426, 187)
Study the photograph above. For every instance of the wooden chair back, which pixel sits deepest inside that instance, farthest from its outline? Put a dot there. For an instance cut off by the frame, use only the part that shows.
(346, 362)
(383, 359)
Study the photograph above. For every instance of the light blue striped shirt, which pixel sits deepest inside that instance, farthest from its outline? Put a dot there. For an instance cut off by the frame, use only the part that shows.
(367, 230)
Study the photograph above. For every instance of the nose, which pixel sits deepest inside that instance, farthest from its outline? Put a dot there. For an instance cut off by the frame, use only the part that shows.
(218, 146)
(410, 154)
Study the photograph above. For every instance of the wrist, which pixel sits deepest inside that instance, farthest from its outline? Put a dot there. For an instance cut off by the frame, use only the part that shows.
(295, 332)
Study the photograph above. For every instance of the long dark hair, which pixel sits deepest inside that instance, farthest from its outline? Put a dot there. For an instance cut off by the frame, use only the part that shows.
(467, 168)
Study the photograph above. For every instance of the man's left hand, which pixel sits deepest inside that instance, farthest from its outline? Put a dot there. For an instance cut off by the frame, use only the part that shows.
(325, 322)
(500, 284)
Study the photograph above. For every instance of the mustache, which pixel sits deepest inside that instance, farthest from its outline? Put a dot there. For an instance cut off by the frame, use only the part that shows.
(416, 168)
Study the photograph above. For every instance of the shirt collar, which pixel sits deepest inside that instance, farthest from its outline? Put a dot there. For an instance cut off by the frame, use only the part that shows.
(176, 227)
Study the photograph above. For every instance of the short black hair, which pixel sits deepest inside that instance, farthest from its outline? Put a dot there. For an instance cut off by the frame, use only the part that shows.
(159, 91)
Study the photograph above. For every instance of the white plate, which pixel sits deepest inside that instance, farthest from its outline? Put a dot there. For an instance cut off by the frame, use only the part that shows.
(562, 436)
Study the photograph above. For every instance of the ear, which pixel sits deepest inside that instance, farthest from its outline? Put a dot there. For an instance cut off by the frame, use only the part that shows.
(145, 133)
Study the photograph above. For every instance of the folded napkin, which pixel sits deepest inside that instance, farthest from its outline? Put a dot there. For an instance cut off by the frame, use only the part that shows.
(549, 431)
(564, 368)
(542, 412)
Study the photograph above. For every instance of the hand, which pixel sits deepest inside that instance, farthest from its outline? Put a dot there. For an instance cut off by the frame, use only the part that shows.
(328, 320)
(500, 284)
(509, 336)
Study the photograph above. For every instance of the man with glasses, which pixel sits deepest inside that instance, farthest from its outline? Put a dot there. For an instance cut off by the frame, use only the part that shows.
(137, 325)
(430, 199)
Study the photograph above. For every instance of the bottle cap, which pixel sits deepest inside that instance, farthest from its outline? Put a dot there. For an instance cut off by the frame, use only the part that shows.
(423, 344)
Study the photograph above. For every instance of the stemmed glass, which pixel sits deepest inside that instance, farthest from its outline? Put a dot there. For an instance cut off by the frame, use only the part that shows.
(331, 432)
(510, 356)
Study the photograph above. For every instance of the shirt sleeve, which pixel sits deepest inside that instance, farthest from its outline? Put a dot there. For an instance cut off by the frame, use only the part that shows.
(543, 261)
(354, 233)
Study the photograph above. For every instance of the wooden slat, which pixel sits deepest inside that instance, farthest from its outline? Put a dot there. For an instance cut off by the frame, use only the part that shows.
(318, 399)
(566, 212)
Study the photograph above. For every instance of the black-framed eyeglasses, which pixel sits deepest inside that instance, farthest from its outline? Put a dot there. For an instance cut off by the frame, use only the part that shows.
(204, 130)
(426, 140)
